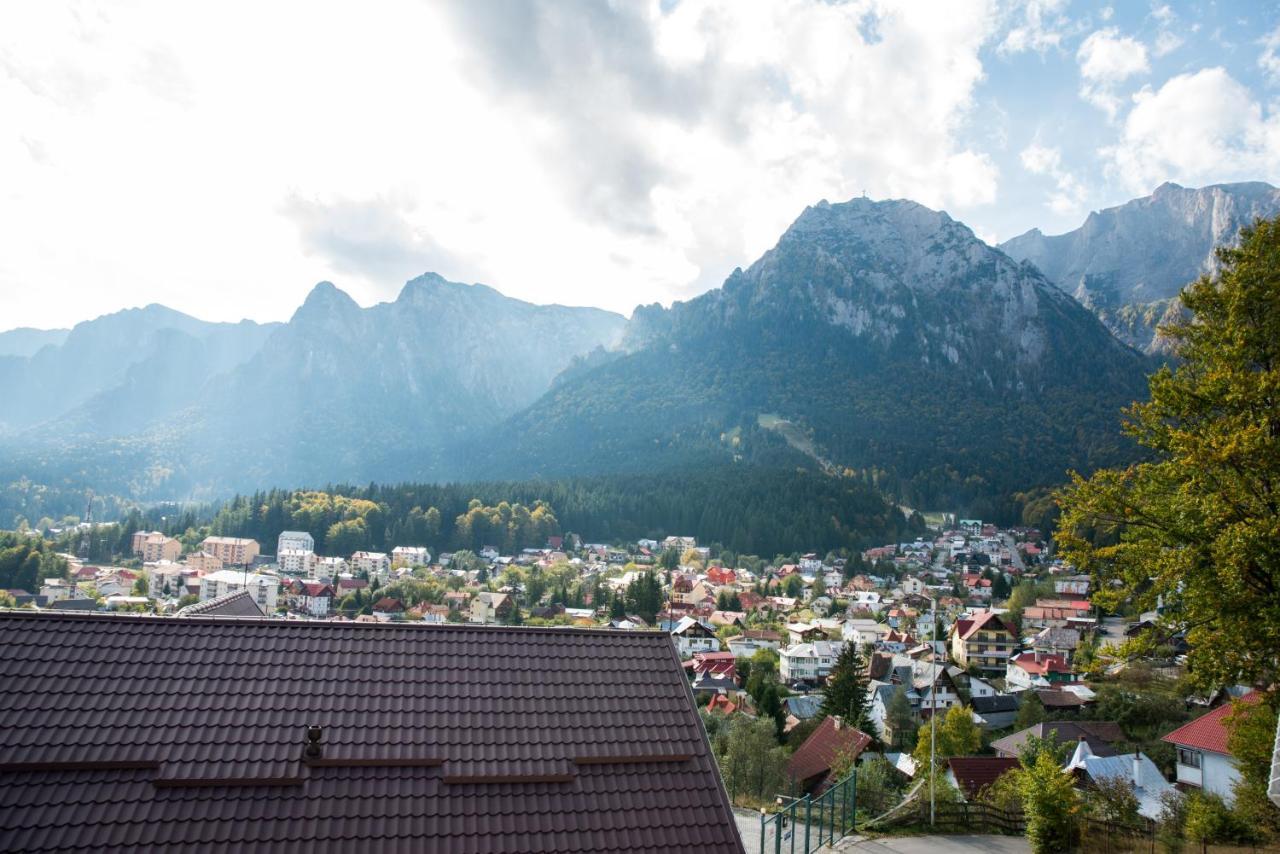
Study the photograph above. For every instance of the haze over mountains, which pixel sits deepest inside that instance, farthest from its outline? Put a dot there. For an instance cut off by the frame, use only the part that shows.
(1128, 263)
(881, 338)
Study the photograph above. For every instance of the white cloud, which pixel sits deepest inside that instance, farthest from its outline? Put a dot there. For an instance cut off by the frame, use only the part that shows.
(1269, 59)
(1106, 60)
(223, 161)
(1038, 25)
(1197, 128)
(1069, 195)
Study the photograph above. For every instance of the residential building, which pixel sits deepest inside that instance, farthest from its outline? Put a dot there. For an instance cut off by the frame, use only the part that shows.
(808, 662)
(265, 588)
(410, 556)
(693, 636)
(489, 607)
(202, 563)
(1102, 736)
(810, 768)
(237, 604)
(1036, 670)
(236, 551)
(971, 774)
(293, 561)
(373, 564)
(155, 547)
(296, 540)
(166, 580)
(1204, 760)
(291, 747)
(330, 567)
(983, 640)
(1143, 776)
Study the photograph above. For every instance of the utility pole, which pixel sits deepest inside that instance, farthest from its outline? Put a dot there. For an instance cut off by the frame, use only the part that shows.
(933, 703)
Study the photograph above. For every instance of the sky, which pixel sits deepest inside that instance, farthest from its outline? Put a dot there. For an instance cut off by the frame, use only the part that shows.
(223, 158)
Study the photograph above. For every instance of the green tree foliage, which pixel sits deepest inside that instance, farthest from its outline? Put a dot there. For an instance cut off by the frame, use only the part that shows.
(957, 735)
(1198, 524)
(845, 693)
(899, 718)
(1208, 819)
(26, 561)
(753, 763)
(644, 597)
(1051, 802)
(1030, 711)
(1251, 729)
(1112, 799)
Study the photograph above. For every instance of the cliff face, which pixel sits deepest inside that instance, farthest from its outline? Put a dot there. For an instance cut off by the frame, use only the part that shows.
(1128, 263)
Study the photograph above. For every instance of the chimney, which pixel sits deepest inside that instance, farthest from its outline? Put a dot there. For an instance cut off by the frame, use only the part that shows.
(313, 749)
(1137, 769)
(836, 720)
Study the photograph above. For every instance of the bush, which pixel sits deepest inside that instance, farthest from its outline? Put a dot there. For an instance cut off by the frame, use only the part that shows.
(1050, 801)
(1209, 819)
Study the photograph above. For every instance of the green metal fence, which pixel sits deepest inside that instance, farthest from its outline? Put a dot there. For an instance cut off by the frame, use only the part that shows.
(805, 824)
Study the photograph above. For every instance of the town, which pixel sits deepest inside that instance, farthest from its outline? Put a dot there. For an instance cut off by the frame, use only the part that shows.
(972, 648)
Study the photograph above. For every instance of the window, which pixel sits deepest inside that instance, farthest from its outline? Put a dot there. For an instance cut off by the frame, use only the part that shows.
(1188, 757)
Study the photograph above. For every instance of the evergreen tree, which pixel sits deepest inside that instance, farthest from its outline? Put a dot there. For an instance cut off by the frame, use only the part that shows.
(845, 693)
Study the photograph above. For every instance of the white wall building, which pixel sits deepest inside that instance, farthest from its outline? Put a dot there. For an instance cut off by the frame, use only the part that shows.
(808, 662)
(410, 556)
(296, 561)
(265, 588)
(300, 540)
(373, 564)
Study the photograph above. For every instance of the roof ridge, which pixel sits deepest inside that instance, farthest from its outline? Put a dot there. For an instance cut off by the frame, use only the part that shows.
(575, 631)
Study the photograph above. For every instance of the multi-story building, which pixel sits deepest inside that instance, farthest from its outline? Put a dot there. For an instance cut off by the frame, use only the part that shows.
(331, 567)
(296, 561)
(203, 562)
(983, 640)
(265, 588)
(231, 550)
(153, 546)
(300, 540)
(808, 662)
(410, 556)
(373, 564)
(1204, 758)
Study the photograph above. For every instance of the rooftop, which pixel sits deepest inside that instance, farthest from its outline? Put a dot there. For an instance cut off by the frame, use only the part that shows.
(173, 733)
(1208, 732)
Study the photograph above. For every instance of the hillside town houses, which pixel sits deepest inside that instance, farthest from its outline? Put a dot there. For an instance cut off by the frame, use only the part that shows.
(921, 613)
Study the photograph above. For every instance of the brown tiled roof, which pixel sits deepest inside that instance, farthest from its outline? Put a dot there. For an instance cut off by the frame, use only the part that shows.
(974, 773)
(237, 604)
(1099, 734)
(822, 747)
(174, 734)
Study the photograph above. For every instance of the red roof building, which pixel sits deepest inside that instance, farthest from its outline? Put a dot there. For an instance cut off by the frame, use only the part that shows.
(1208, 732)
(810, 766)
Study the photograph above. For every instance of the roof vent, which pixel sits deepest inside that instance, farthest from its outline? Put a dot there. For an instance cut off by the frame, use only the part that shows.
(313, 749)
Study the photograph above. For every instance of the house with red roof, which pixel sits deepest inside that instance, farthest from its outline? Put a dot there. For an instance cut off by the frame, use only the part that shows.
(809, 768)
(983, 639)
(1204, 761)
(723, 704)
(1037, 670)
(721, 575)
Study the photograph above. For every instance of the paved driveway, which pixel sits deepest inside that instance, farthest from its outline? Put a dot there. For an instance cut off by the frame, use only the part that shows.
(935, 845)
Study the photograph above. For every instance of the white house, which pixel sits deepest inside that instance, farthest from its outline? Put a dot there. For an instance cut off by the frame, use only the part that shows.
(331, 567)
(265, 588)
(863, 631)
(1204, 761)
(694, 636)
(299, 540)
(808, 662)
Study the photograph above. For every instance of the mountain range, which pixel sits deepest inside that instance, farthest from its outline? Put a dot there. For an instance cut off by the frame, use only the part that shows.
(1128, 263)
(878, 340)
